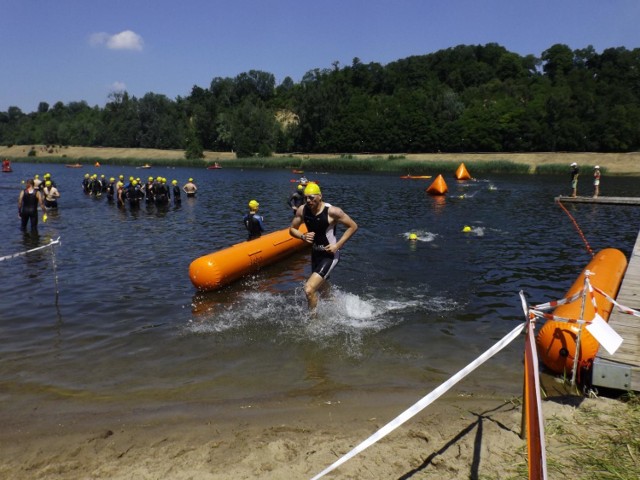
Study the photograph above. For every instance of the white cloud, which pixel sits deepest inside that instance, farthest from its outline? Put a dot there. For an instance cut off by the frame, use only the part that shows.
(118, 87)
(126, 40)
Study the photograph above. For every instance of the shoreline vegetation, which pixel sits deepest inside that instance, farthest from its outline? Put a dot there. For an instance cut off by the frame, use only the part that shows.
(428, 163)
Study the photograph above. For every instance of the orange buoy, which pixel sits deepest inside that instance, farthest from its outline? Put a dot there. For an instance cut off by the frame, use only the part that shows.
(462, 173)
(438, 187)
(220, 268)
(556, 340)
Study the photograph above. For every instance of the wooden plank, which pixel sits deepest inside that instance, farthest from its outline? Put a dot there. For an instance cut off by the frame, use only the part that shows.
(601, 200)
(627, 326)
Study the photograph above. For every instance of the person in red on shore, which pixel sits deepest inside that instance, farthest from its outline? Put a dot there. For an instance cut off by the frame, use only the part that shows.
(321, 219)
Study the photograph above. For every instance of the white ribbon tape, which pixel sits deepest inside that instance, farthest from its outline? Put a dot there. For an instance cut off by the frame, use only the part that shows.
(425, 401)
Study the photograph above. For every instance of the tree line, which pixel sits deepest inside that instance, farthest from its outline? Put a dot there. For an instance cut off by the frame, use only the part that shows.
(468, 98)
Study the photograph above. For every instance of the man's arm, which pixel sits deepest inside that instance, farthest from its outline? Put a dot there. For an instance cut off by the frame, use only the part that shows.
(296, 223)
(336, 214)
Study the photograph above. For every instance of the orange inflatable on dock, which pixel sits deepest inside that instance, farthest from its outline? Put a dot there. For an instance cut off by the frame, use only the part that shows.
(556, 340)
(217, 269)
(462, 173)
(438, 187)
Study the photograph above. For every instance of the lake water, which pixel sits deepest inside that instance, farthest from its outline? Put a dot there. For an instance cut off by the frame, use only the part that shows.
(111, 319)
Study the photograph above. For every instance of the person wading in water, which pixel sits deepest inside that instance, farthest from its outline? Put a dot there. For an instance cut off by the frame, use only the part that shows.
(321, 219)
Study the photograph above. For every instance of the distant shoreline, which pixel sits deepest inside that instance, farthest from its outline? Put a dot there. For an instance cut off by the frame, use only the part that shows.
(612, 163)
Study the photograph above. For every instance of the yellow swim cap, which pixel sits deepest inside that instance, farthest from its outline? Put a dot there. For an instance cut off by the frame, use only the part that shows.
(300, 187)
(47, 183)
(174, 182)
(413, 236)
(191, 179)
(312, 189)
(253, 204)
(466, 228)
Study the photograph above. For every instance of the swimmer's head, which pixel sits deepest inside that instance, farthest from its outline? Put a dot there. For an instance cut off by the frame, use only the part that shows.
(253, 205)
(413, 236)
(312, 189)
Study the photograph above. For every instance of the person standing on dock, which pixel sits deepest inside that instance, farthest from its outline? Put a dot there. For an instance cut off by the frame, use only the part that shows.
(321, 219)
(596, 181)
(574, 179)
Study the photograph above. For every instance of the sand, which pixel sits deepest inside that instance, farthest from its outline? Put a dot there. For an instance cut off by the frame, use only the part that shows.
(458, 437)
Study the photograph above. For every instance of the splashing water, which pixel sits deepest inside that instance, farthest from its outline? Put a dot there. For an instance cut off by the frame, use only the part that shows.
(421, 236)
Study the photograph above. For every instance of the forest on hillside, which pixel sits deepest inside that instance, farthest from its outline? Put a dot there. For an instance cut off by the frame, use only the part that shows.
(468, 98)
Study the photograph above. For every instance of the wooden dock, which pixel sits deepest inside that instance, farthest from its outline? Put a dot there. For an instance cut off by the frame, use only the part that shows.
(602, 200)
(622, 370)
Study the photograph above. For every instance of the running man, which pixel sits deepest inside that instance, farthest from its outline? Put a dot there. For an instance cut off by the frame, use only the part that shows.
(321, 219)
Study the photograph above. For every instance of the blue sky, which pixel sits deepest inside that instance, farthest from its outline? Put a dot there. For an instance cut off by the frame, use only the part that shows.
(73, 50)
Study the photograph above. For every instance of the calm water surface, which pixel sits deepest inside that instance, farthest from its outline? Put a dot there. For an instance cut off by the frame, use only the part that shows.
(128, 327)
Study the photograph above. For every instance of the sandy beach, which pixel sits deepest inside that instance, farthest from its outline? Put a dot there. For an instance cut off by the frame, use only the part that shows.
(458, 437)
(47, 435)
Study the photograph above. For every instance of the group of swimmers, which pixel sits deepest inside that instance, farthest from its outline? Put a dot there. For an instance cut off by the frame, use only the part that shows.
(37, 192)
(153, 191)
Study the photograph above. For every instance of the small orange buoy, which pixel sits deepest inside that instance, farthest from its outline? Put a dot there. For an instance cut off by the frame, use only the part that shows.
(438, 187)
(462, 173)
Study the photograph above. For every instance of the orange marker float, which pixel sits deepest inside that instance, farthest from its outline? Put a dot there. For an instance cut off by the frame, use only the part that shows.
(217, 269)
(438, 187)
(556, 340)
(462, 173)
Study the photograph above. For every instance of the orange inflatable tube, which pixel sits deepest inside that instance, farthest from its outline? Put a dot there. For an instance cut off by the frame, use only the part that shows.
(462, 173)
(438, 187)
(220, 268)
(556, 340)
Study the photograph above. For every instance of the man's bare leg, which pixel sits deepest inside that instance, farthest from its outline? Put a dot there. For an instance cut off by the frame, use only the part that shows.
(311, 290)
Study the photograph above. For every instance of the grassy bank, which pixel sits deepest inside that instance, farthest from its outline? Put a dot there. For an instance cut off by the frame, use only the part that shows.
(416, 164)
(404, 166)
